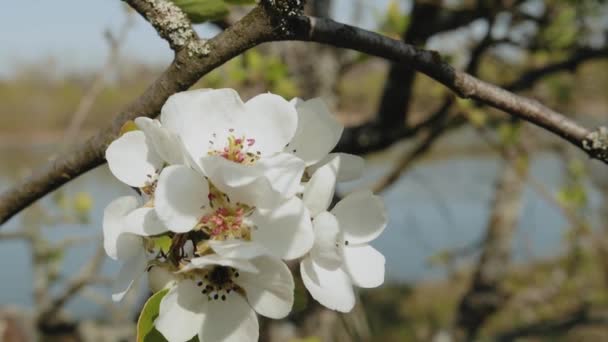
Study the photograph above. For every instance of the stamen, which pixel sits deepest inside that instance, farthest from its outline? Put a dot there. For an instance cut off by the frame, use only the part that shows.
(235, 150)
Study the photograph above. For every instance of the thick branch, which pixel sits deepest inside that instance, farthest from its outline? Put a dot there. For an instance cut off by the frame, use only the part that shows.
(464, 85)
(185, 70)
(170, 21)
(273, 24)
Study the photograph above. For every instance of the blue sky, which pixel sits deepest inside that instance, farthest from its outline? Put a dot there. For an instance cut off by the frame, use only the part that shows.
(70, 32)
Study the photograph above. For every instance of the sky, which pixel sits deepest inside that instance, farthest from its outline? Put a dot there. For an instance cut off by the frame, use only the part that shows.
(70, 33)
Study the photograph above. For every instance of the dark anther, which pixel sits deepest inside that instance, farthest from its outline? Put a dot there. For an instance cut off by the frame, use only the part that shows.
(223, 297)
(216, 296)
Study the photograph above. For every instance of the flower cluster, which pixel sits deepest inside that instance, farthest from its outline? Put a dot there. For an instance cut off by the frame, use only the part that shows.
(229, 190)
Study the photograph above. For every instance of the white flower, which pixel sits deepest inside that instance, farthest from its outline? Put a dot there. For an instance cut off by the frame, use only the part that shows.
(336, 167)
(238, 146)
(124, 230)
(218, 299)
(137, 157)
(341, 256)
(318, 132)
(184, 201)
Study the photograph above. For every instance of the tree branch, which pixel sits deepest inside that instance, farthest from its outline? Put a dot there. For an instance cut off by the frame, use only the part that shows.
(582, 316)
(187, 67)
(464, 85)
(87, 275)
(577, 58)
(486, 295)
(168, 20)
(274, 21)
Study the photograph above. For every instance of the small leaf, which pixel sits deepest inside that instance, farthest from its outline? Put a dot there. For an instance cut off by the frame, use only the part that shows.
(163, 242)
(203, 10)
(145, 323)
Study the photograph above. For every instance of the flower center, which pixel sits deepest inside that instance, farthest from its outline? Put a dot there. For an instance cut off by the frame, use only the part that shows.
(227, 220)
(150, 185)
(238, 150)
(218, 282)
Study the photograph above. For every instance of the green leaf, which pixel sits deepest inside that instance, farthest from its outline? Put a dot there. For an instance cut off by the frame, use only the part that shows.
(203, 10)
(240, 2)
(163, 242)
(145, 323)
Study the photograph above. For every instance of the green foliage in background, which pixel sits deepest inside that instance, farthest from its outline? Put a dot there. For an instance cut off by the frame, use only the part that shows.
(562, 31)
(200, 11)
(394, 22)
(254, 68)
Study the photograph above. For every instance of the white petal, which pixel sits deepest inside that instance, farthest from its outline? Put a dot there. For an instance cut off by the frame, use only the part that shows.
(230, 320)
(181, 198)
(131, 160)
(285, 231)
(166, 144)
(331, 288)
(226, 174)
(129, 274)
(320, 189)
(317, 134)
(271, 120)
(264, 184)
(326, 251)
(197, 115)
(113, 222)
(350, 167)
(365, 265)
(128, 245)
(144, 222)
(361, 215)
(270, 291)
(296, 101)
(215, 259)
(284, 172)
(181, 312)
(238, 249)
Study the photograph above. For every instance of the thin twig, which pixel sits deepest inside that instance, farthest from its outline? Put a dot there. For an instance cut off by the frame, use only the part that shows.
(86, 276)
(92, 93)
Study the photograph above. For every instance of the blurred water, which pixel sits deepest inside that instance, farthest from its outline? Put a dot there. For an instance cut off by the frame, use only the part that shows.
(437, 205)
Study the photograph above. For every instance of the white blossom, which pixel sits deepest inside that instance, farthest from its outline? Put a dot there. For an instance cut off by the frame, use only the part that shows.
(341, 256)
(124, 230)
(137, 157)
(218, 298)
(229, 189)
(238, 145)
(318, 131)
